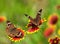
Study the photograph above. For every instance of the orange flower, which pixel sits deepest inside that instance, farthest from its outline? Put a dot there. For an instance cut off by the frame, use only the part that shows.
(18, 38)
(2, 19)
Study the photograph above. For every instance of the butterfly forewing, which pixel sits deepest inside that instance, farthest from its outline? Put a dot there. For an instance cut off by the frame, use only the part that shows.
(35, 21)
(31, 19)
(38, 17)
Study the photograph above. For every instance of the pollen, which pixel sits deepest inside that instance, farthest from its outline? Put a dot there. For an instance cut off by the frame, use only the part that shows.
(44, 20)
(29, 20)
(59, 32)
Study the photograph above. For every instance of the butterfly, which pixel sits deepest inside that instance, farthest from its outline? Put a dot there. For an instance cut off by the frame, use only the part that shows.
(14, 33)
(34, 23)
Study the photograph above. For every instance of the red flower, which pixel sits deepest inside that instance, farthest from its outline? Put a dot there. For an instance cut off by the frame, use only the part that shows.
(48, 32)
(2, 19)
(32, 30)
(52, 19)
(54, 40)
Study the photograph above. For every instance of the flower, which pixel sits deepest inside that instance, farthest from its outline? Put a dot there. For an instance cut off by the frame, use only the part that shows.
(32, 30)
(2, 19)
(54, 40)
(52, 20)
(49, 31)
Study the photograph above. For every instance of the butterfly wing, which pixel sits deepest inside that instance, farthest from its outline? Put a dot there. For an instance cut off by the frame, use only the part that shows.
(38, 17)
(31, 19)
(10, 25)
(11, 29)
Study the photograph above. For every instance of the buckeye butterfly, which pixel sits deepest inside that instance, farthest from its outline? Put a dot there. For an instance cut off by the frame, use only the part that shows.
(15, 34)
(34, 23)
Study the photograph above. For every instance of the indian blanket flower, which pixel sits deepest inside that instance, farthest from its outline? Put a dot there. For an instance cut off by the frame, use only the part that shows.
(33, 28)
(52, 20)
(48, 31)
(54, 40)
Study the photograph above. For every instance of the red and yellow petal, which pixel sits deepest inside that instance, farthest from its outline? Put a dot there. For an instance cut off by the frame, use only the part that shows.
(42, 20)
(32, 30)
(54, 40)
(18, 39)
(52, 20)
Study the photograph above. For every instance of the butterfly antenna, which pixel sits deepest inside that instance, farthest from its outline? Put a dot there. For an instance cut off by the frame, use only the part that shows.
(39, 12)
(27, 15)
(8, 23)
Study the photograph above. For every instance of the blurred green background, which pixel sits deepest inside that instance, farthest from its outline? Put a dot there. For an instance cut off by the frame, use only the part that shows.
(14, 11)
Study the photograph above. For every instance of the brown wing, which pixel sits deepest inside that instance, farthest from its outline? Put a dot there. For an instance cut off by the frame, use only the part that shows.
(38, 17)
(19, 34)
(10, 25)
(11, 29)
